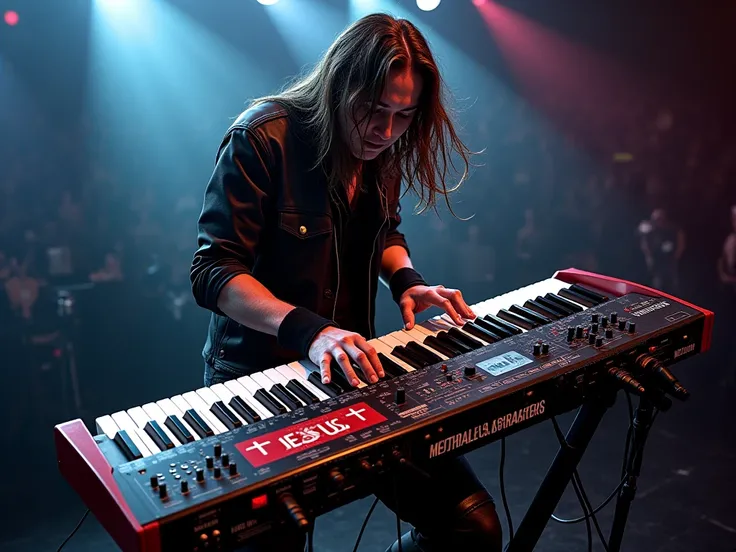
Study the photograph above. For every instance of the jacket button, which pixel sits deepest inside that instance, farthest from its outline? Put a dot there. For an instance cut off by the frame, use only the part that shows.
(302, 230)
(221, 353)
(328, 293)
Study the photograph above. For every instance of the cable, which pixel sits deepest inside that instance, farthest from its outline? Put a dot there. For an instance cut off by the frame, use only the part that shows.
(576, 475)
(586, 516)
(503, 488)
(580, 490)
(598, 509)
(365, 524)
(629, 435)
(398, 520)
(75, 530)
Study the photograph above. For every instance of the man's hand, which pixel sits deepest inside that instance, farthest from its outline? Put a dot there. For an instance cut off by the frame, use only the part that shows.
(347, 348)
(419, 298)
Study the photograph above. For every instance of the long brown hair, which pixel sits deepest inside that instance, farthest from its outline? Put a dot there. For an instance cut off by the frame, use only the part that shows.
(352, 72)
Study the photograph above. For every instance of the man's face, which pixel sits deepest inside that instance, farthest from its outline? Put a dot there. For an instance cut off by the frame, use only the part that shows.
(391, 118)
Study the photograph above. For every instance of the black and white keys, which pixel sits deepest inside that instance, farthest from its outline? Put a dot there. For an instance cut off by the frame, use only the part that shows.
(167, 423)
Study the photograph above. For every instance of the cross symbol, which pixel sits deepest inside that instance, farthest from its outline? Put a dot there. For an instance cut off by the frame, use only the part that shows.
(356, 413)
(259, 446)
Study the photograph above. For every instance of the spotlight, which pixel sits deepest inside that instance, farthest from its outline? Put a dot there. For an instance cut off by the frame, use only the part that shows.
(427, 5)
(267, 2)
(479, 3)
(11, 18)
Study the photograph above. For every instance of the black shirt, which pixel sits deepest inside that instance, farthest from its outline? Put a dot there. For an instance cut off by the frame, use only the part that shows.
(354, 244)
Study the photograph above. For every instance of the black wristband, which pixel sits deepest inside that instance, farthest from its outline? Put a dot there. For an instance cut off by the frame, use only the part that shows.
(299, 328)
(403, 279)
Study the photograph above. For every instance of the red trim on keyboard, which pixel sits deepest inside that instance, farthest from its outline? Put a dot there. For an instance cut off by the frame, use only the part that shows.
(85, 468)
(618, 287)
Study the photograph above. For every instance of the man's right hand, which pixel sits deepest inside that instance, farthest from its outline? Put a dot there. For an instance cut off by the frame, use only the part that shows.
(347, 348)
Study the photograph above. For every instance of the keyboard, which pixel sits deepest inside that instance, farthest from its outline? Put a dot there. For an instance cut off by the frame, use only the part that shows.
(212, 468)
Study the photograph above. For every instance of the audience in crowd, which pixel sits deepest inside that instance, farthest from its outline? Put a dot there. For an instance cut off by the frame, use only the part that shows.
(538, 201)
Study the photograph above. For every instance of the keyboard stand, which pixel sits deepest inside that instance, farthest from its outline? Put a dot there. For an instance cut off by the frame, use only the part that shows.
(560, 473)
(642, 424)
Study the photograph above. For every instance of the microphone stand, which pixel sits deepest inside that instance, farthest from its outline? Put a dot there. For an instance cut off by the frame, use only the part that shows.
(642, 424)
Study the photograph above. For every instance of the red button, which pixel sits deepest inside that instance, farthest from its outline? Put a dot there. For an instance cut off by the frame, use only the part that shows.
(259, 502)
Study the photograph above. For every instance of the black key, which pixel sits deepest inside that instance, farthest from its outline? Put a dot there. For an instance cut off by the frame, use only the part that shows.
(123, 440)
(516, 320)
(359, 373)
(429, 355)
(285, 396)
(246, 411)
(329, 389)
(498, 322)
(157, 434)
(301, 391)
(462, 337)
(530, 314)
(437, 345)
(535, 306)
(271, 404)
(494, 328)
(479, 331)
(576, 297)
(196, 422)
(391, 367)
(176, 427)
(453, 343)
(263, 397)
(594, 295)
(562, 301)
(225, 415)
(564, 311)
(411, 358)
(338, 377)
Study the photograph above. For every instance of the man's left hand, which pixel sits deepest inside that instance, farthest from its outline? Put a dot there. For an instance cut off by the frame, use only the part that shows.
(419, 298)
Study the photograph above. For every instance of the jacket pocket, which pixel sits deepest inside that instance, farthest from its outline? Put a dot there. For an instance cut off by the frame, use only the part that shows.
(305, 225)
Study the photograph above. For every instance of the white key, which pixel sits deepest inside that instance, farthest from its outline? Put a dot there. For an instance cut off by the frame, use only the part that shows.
(170, 409)
(276, 377)
(203, 409)
(139, 437)
(106, 425)
(237, 388)
(391, 341)
(263, 380)
(155, 413)
(381, 347)
(292, 372)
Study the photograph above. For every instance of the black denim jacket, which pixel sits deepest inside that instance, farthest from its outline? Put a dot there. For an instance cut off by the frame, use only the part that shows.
(267, 213)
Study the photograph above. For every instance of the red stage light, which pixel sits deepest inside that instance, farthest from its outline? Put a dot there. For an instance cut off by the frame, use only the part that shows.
(11, 18)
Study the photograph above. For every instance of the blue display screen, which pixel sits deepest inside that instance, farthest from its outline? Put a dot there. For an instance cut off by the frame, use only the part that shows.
(506, 362)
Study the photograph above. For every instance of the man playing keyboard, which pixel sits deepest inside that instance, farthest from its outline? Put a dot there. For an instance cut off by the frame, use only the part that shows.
(300, 220)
